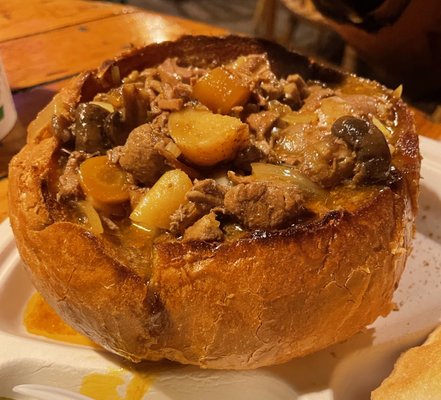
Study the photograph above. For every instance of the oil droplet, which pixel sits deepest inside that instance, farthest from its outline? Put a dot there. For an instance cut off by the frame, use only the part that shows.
(40, 319)
(139, 386)
(112, 385)
(102, 386)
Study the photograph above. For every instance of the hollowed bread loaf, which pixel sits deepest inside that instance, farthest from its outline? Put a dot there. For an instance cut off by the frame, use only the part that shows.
(217, 201)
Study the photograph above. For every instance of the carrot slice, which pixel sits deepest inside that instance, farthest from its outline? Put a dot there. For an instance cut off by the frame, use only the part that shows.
(103, 181)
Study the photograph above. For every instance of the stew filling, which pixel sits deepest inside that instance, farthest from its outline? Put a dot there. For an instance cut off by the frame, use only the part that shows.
(193, 154)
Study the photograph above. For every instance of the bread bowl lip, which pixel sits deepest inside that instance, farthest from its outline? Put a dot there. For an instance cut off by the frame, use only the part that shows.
(100, 74)
(231, 38)
(117, 265)
(257, 237)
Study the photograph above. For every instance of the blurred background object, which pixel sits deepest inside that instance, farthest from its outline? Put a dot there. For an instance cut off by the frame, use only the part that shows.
(400, 40)
(235, 16)
(369, 15)
(393, 41)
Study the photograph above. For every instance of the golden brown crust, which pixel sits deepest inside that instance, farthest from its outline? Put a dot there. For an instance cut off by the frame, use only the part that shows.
(238, 304)
(416, 375)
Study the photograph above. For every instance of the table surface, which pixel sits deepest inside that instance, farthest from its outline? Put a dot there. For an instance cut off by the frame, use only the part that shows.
(45, 42)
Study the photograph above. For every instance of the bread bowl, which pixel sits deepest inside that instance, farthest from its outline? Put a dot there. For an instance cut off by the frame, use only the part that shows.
(241, 282)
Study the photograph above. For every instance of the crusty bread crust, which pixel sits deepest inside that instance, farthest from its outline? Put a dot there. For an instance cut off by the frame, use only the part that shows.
(238, 304)
(416, 374)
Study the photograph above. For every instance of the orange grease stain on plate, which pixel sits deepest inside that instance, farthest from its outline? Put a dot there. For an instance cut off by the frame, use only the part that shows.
(40, 319)
(122, 384)
(113, 386)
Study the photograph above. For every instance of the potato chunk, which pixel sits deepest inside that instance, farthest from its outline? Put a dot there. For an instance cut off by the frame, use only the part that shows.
(221, 90)
(162, 200)
(206, 138)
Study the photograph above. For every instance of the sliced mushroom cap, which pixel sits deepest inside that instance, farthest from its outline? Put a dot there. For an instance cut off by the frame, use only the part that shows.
(115, 129)
(97, 129)
(88, 127)
(370, 145)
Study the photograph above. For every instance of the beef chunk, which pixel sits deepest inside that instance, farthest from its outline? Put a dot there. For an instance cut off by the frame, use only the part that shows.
(206, 229)
(321, 156)
(255, 70)
(236, 178)
(295, 90)
(186, 215)
(205, 196)
(300, 84)
(141, 154)
(262, 122)
(207, 193)
(170, 72)
(170, 104)
(69, 183)
(316, 94)
(264, 205)
(173, 88)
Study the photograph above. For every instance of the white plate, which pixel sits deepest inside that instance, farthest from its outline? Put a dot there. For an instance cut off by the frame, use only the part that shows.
(348, 371)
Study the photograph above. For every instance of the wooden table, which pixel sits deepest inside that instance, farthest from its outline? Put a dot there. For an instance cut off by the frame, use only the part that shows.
(45, 42)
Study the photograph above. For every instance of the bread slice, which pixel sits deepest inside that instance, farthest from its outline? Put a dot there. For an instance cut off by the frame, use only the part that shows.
(259, 299)
(416, 374)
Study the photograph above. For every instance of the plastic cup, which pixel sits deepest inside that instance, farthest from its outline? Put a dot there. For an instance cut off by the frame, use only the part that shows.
(8, 114)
